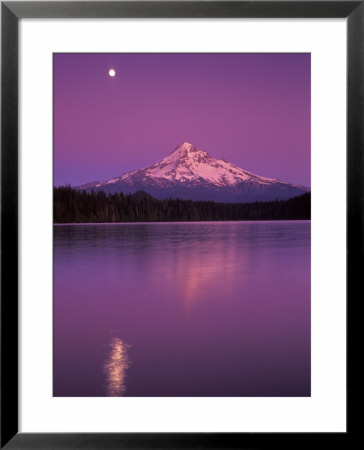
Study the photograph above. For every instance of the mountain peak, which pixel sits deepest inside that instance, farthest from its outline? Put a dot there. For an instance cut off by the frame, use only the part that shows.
(193, 173)
(185, 145)
(186, 152)
(185, 148)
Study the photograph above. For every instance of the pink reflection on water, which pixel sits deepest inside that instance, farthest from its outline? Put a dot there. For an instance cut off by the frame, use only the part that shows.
(195, 272)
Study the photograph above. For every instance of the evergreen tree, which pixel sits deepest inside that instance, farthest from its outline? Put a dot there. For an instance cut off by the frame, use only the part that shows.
(76, 206)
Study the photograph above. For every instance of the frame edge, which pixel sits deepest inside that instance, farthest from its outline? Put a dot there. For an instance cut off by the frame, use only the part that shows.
(9, 224)
(9, 218)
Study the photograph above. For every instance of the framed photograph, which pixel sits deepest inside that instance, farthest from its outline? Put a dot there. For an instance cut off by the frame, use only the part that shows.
(181, 222)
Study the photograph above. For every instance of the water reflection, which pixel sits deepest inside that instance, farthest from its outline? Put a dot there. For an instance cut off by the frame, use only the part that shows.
(211, 309)
(195, 271)
(115, 368)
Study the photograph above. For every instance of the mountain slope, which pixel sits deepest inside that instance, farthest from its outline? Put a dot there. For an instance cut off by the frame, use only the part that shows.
(191, 173)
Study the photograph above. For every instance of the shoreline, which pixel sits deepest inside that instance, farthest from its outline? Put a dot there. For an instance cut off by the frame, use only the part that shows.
(180, 222)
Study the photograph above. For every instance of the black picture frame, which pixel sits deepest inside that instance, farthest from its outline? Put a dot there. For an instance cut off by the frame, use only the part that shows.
(11, 12)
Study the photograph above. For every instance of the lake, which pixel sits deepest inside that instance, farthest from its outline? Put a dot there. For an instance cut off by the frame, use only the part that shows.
(182, 309)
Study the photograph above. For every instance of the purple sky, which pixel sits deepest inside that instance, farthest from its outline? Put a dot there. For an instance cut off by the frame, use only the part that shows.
(251, 109)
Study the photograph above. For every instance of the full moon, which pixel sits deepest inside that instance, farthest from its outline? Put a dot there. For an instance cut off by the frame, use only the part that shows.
(112, 72)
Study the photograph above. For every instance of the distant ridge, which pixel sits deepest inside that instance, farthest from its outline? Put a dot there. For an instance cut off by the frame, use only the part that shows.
(191, 173)
(142, 194)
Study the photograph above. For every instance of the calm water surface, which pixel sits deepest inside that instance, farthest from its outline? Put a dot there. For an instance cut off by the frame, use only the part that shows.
(182, 309)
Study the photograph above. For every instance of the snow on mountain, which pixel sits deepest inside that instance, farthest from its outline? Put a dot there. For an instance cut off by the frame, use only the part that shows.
(189, 172)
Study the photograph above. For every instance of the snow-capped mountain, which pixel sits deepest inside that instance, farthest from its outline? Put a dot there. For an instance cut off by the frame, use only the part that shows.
(191, 173)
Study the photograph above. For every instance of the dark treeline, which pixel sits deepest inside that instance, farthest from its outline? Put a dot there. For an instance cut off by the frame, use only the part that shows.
(74, 206)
